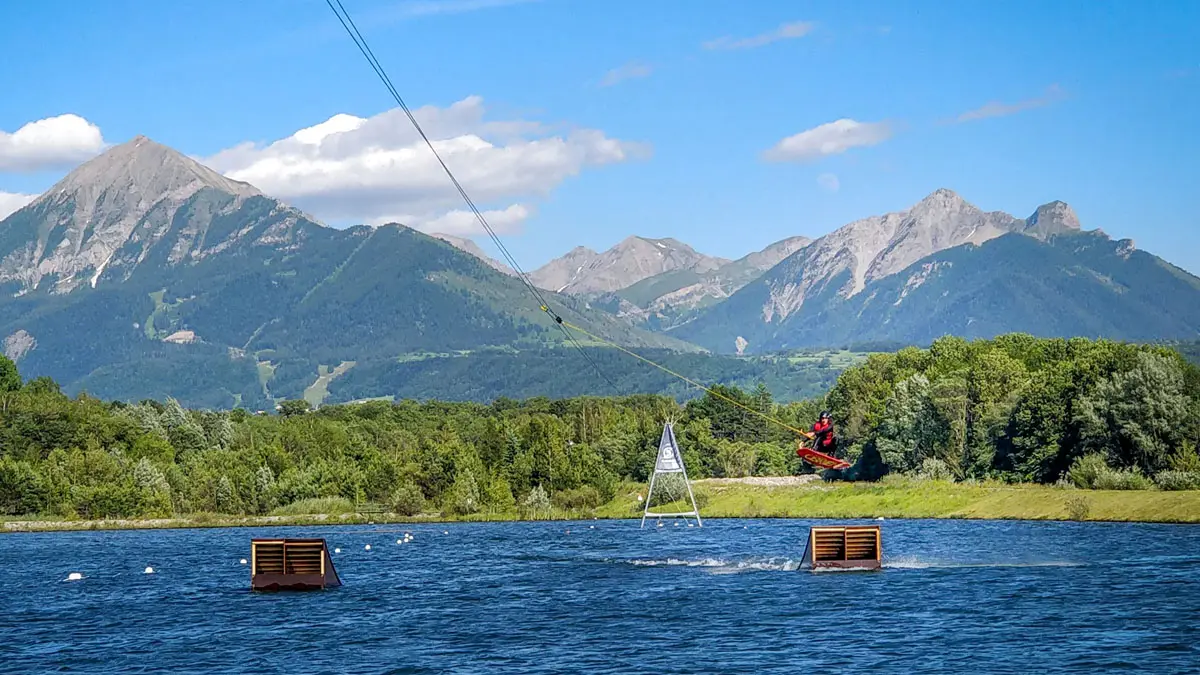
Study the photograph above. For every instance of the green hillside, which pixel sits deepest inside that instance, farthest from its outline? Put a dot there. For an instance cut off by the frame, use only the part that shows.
(286, 292)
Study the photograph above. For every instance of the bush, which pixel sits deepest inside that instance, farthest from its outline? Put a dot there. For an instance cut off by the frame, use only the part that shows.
(1178, 480)
(319, 505)
(1122, 480)
(935, 469)
(1185, 460)
(536, 503)
(586, 497)
(1078, 508)
(408, 500)
(1085, 471)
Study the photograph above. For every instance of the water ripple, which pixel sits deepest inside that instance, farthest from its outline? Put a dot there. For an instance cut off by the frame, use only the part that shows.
(954, 596)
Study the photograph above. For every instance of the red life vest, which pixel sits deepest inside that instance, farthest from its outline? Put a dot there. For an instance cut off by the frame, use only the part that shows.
(824, 432)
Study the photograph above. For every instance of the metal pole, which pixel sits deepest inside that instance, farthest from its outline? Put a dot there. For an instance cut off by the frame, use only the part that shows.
(650, 492)
(695, 509)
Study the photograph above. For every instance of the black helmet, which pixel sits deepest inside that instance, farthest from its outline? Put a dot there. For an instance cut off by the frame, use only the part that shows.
(825, 414)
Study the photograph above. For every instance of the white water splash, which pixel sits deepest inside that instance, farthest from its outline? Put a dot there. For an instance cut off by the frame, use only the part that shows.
(915, 564)
(722, 566)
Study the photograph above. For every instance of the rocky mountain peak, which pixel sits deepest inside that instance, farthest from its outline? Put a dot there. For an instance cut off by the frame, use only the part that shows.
(942, 199)
(147, 171)
(1054, 218)
(124, 199)
(633, 259)
(469, 246)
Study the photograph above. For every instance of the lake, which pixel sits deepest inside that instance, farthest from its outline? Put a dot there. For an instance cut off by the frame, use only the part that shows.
(607, 597)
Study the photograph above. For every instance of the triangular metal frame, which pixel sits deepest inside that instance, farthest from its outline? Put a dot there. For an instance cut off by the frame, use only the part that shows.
(670, 460)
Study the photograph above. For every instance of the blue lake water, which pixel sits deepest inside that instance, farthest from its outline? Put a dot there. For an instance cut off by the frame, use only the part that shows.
(606, 597)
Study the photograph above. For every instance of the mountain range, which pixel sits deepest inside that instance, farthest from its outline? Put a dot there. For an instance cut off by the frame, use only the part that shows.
(143, 273)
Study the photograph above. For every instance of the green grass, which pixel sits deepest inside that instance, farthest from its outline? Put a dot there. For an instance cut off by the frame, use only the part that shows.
(837, 359)
(648, 290)
(928, 499)
(903, 498)
(318, 391)
(162, 321)
(320, 505)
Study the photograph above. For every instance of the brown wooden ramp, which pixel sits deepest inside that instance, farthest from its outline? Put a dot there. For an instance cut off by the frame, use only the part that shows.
(291, 565)
(843, 547)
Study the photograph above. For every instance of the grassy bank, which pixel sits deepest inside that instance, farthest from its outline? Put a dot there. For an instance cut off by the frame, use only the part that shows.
(933, 499)
(769, 498)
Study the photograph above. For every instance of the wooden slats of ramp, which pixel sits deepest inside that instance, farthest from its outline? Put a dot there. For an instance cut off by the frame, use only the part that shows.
(844, 547)
(291, 564)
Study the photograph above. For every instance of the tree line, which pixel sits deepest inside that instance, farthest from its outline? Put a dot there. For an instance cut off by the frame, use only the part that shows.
(1097, 414)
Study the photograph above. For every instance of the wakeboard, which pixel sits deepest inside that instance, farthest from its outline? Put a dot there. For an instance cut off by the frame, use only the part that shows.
(820, 459)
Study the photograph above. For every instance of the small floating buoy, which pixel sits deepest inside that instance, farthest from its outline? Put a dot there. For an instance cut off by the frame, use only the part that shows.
(367, 547)
(445, 531)
(591, 527)
(74, 576)
(399, 541)
(149, 570)
(879, 518)
(337, 550)
(691, 524)
(242, 561)
(677, 524)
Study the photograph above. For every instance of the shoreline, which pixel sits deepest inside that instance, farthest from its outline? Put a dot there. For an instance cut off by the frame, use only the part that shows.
(799, 497)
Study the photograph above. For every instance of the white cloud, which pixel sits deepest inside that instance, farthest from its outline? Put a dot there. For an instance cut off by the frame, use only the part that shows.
(1053, 94)
(831, 138)
(462, 222)
(10, 202)
(788, 31)
(829, 182)
(629, 71)
(49, 143)
(353, 168)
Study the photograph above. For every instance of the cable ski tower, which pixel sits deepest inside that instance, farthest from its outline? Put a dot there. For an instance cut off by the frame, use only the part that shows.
(670, 462)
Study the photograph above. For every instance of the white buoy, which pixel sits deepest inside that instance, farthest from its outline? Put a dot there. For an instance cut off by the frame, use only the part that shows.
(149, 570)
(367, 547)
(399, 541)
(591, 527)
(446, 532)
(879, 518)
(337, 550)
(676, 524)
(691, 524)
(74, 576)
(242, 561)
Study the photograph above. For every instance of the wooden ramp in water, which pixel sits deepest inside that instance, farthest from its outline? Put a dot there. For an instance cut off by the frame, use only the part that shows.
(847, 547)
(291, 565)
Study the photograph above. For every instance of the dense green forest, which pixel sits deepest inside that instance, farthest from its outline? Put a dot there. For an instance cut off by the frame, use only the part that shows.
(1091, 414)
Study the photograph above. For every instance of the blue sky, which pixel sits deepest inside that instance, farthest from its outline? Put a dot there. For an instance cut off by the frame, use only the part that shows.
(1091, 103)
